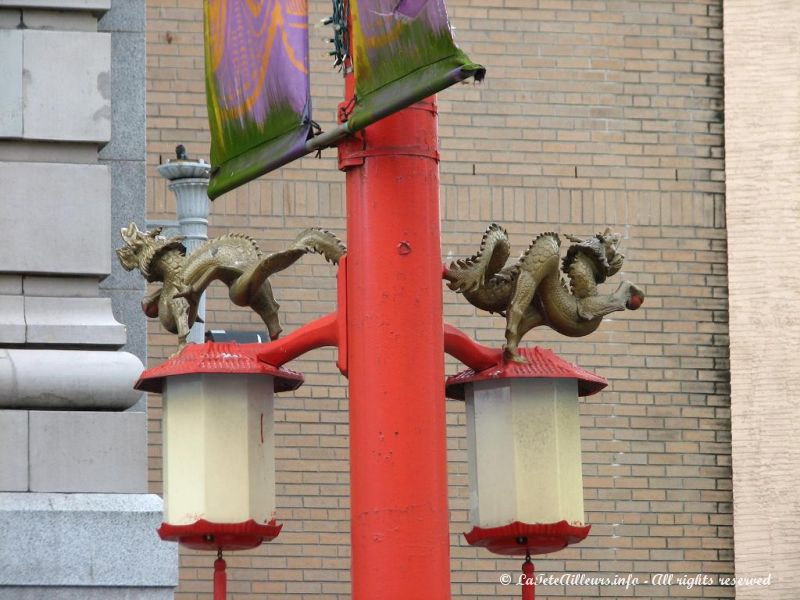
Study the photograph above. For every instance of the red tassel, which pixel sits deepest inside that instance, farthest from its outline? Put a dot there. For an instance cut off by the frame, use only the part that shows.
(220, 579)
(528, 585)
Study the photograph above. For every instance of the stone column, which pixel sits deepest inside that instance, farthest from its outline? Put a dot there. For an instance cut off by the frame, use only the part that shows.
(77, 520)
(762, 174)
(189, 182)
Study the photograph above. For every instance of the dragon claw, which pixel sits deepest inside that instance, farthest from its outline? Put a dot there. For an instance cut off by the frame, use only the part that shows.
(510, 355)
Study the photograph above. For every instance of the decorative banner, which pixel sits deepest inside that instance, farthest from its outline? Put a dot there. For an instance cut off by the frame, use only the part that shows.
(257, 87)
(403, 51)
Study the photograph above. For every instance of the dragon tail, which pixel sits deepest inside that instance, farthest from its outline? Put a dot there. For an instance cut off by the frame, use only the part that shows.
(466, 275)
(321, 241)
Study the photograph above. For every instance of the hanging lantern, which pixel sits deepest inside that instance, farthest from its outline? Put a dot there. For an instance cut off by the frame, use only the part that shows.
(219, 457)
(523, 428)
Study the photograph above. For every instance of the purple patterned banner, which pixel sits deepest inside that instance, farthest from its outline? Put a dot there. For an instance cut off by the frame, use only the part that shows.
(257, 87)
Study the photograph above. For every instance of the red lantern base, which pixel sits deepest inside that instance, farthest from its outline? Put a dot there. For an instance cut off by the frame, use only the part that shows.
(520, 539)
(204, 535)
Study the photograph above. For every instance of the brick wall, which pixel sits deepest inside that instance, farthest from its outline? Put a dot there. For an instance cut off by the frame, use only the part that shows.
(594, 113)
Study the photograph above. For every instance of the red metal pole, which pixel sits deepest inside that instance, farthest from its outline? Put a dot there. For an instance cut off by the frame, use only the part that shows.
(398, 461)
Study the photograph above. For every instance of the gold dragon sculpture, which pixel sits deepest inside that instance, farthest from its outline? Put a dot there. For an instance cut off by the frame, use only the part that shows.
(531, 291)
(234, 259)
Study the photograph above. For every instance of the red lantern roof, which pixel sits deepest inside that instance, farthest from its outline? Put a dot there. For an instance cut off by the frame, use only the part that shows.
(542, 363)
(218, 357)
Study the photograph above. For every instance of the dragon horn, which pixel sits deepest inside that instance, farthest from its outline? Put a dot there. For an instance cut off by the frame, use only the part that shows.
(572, 238)
(610, 237)
(129, 233)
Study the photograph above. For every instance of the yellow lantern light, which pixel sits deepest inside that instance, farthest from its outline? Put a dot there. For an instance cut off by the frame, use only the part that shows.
(219, 452)
(523, 429)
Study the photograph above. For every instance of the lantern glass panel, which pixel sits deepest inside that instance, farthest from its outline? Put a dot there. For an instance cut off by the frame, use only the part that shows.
(524, 452)
(219, 457)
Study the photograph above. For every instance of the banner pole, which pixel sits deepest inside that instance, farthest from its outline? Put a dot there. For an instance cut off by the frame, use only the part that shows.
(398, 457)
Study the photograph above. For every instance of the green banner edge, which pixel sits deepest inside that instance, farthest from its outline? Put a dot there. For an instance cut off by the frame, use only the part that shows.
(258, 160)
(415, 86)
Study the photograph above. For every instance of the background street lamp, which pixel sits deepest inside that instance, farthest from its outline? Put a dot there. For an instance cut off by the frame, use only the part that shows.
(188, 180)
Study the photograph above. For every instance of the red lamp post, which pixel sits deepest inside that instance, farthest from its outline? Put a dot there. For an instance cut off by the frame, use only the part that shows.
(391, 338)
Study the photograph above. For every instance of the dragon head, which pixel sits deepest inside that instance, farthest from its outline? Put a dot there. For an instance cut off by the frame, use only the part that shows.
(602, 250)
(609, 244)
(141, 247)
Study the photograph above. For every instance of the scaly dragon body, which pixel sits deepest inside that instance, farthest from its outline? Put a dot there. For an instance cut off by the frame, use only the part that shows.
(233, 259)
(531, 291)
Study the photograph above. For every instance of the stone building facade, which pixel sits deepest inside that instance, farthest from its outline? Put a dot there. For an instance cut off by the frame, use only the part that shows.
(76, 517)
(594, 113)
